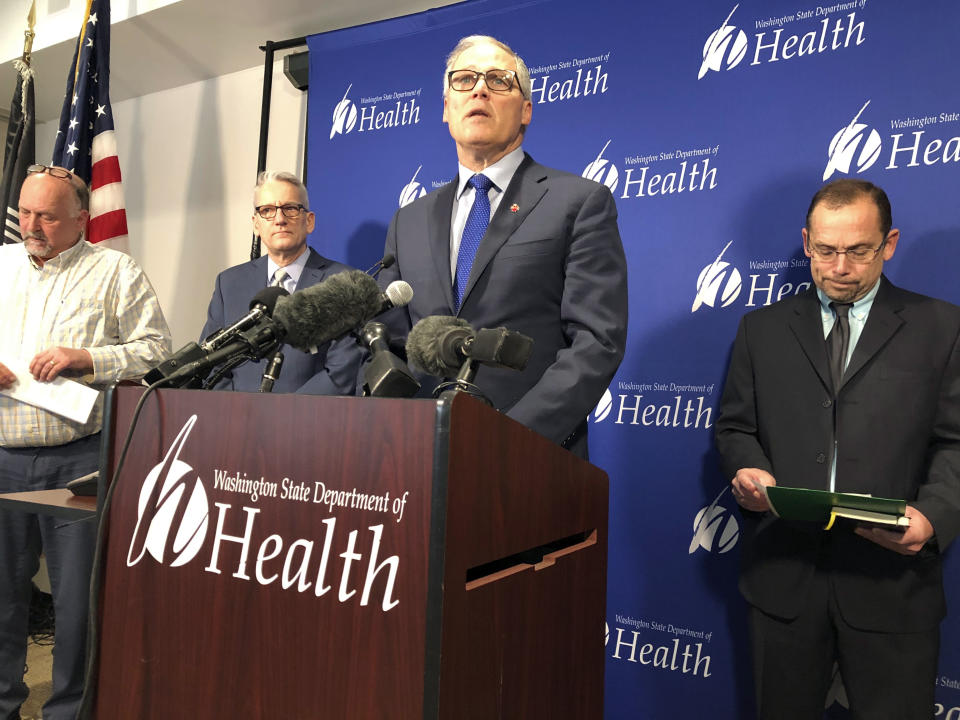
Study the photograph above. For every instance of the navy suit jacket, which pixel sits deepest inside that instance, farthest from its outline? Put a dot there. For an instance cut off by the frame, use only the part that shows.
(898, 432)
(332, 370)
(551, 266)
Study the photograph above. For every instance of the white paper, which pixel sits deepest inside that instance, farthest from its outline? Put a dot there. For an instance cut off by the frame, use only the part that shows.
(64, 397)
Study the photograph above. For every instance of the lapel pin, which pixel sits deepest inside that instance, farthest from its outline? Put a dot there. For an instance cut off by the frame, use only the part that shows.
(514, 208)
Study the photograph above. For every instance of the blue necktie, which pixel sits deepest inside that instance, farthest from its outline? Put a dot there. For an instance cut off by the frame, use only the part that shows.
(473, 233)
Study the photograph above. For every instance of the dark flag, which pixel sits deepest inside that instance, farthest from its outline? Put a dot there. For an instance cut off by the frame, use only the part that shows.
(19, 150)
(86, 144)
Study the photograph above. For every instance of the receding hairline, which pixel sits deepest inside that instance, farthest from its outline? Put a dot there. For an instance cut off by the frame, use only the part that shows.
(470, 41)
(81, 191)
(847, 191)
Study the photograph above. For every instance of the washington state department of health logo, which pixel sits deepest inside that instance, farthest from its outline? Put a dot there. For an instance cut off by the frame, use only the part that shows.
(715, 528)
(603, 171)
(854, 148)
(412, 190)
(344, 115)
(173, 512)
(604, 407)
(719, 282)
(725, 48)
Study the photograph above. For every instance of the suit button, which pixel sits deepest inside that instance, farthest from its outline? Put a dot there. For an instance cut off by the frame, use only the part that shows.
(821, 458)
(827, 403)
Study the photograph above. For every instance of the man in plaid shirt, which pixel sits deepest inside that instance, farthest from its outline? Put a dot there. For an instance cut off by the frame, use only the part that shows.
(85, 312)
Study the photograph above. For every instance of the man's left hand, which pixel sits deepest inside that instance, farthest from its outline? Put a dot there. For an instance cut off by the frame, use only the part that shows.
(909, 542)
(48, 364)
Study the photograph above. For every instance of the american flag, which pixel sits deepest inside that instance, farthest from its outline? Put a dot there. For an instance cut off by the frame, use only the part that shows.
(86, 144)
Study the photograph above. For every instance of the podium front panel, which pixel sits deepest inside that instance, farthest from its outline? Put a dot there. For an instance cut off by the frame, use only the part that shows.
(267, 557)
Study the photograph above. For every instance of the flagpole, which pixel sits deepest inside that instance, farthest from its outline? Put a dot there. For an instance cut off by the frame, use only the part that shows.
(83, 33)
(29, 34)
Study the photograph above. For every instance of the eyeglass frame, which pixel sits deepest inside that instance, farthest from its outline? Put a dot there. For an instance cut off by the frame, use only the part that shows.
(514, 81)
(81, 189)
(57, 172)
(816, 252)
(283, 209)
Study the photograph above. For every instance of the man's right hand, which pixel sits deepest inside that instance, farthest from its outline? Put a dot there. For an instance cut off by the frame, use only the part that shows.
(7, 378)
(745, 491)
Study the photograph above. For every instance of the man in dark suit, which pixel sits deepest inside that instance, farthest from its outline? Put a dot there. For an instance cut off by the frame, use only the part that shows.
(282, 219)
(885, 421)
(531, 249)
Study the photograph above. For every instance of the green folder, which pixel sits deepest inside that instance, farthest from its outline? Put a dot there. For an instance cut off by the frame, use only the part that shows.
(823, 506)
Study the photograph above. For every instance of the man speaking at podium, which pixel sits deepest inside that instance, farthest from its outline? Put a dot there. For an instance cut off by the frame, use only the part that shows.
(70, 309)
(513, 243)
(282, 219)
(853, 386)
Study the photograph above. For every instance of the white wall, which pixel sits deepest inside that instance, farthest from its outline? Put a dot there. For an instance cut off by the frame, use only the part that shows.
(189, 160)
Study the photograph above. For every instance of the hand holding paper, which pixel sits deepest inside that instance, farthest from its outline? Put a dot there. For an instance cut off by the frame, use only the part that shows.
(64, 397)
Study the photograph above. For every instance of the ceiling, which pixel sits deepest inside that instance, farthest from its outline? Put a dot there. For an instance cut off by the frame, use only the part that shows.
(191, 40)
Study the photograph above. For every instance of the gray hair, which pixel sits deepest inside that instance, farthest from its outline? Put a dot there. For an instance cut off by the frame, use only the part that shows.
(281, 176)
(523, 72)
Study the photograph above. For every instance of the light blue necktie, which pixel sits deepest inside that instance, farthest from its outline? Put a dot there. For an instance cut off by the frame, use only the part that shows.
(279, 279)
(473, 233)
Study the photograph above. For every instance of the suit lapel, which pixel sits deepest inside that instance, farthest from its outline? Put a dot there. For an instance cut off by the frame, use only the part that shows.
(807, 326)
(524, 191)
(256, 273)
(312, 270)
(439, 217)
(884, 320)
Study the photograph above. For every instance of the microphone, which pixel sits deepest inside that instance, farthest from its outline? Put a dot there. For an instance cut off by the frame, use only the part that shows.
(262, 304)
(397, 294)
(382, 264)
(441, 344)
(425, 339)
(334, 307)
(385, 375)
(272, 372)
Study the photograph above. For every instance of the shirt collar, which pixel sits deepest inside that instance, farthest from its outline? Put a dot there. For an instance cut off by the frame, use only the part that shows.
(294, 269)
(62, 259)
(501, 172)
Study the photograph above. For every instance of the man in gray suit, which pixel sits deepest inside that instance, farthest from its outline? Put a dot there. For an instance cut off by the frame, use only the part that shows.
(282, 219)
(512, 243)
(853, 386)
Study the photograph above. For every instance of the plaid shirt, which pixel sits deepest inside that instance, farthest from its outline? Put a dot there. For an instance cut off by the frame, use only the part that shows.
(87, 297)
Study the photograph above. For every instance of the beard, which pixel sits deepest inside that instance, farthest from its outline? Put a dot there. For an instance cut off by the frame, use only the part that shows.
(37, 245)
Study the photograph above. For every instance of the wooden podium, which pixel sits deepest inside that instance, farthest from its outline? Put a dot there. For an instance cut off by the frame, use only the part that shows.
(301, 557)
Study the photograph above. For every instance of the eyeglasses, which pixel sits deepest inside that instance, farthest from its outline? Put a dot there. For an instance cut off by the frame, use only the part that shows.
(269, 212)
(500, 81)
(55, 171)
(856, 255)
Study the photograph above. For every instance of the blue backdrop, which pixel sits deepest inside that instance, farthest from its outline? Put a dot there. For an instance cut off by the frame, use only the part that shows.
(713, 124)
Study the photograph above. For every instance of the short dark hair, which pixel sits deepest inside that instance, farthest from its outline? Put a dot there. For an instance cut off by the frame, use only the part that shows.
(843, 192)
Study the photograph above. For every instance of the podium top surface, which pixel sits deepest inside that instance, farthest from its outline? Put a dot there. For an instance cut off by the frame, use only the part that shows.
(59, 503)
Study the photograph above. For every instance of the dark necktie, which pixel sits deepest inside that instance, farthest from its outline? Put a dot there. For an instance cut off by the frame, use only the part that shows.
(473, 233)
(837, 342)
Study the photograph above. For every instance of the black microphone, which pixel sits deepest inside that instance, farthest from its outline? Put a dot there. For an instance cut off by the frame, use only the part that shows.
(440, 344)
(272, 372)
(382, 264)
(329, 309)
(262, 304)
(251, 344)
(385, 375)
